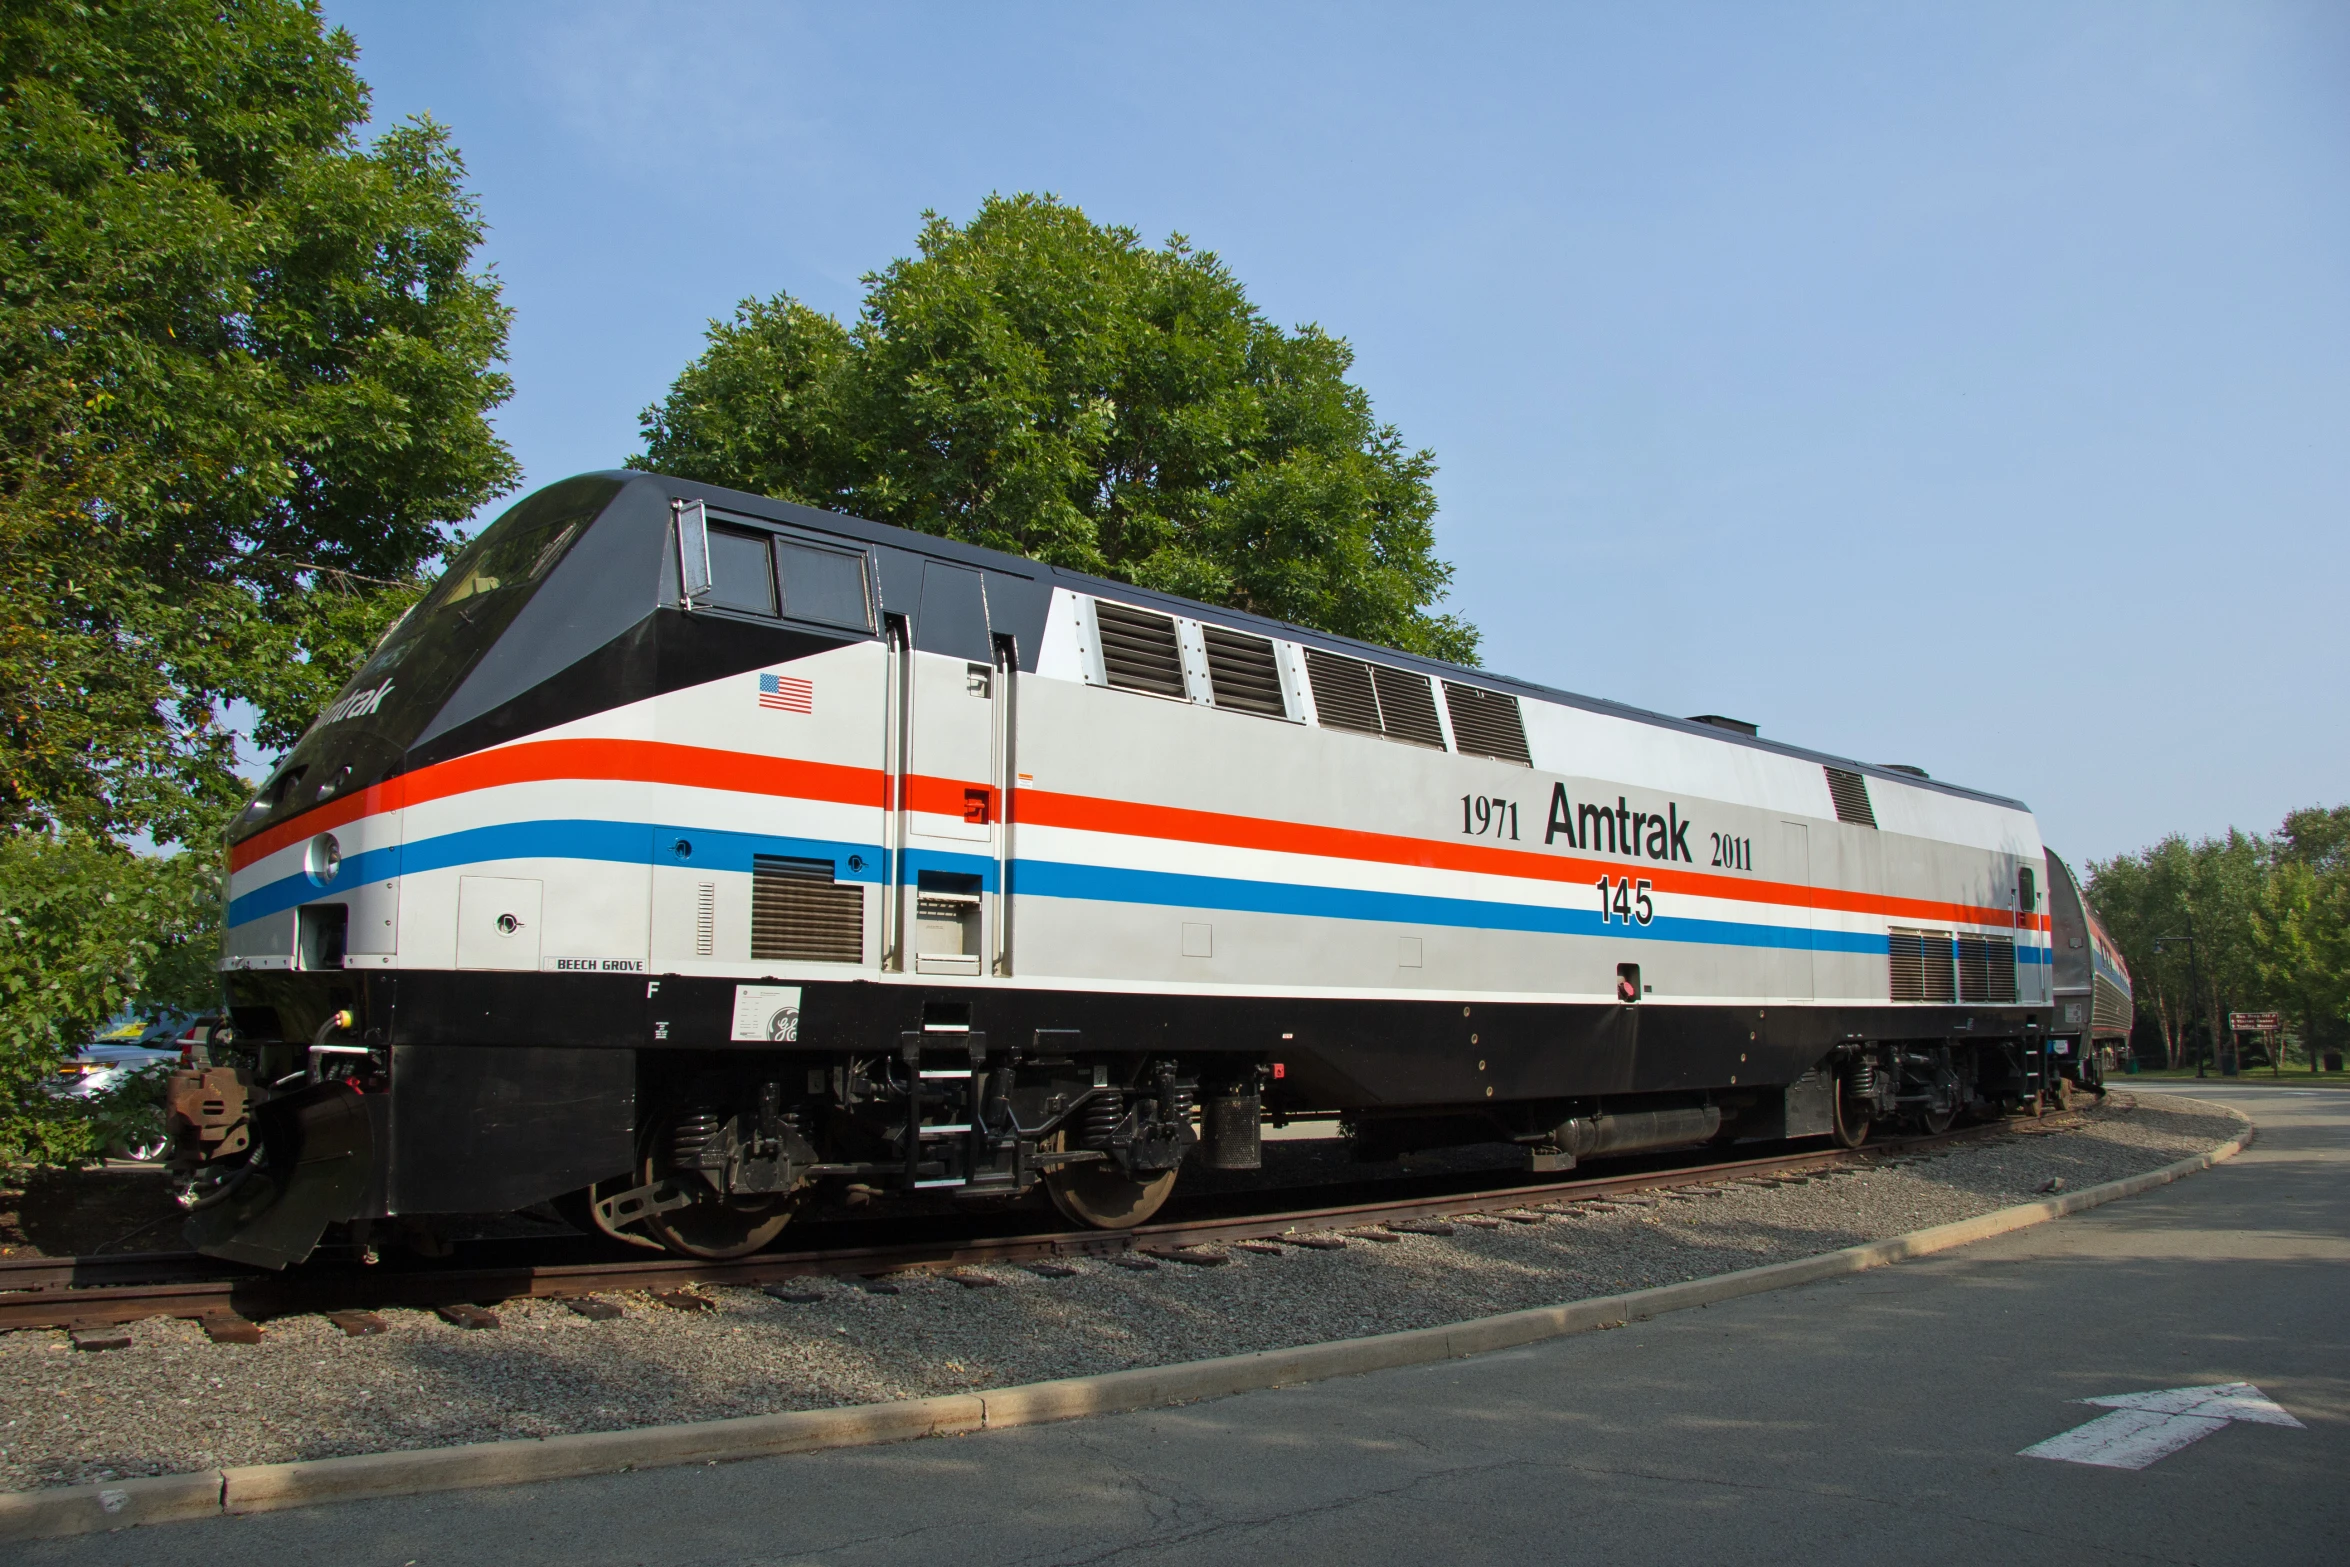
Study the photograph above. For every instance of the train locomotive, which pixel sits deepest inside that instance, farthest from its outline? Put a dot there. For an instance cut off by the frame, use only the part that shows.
(685, 854)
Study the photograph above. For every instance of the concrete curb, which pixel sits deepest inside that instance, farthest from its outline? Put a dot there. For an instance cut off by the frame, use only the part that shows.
(254, 1488)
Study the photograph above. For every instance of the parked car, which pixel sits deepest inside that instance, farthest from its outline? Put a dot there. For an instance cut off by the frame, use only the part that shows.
(113, 1058)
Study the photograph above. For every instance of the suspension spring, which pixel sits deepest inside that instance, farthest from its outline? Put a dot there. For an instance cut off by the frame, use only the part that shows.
(1862, 1083)
(690, 1136)
(1100, 1124)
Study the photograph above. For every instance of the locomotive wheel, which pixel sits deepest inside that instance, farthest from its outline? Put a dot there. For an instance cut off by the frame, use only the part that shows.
(715, 1228)
(1102, 1197)
(1935, 1122)
(1849, 1123)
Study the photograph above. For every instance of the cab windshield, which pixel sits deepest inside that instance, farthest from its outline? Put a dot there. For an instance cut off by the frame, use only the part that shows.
(429, 651)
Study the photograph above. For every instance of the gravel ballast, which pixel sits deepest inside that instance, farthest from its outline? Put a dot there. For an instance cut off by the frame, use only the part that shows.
(175, 1401)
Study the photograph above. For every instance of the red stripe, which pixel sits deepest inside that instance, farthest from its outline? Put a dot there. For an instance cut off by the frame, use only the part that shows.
(650, 761)
(1086, 814)
(542, 761)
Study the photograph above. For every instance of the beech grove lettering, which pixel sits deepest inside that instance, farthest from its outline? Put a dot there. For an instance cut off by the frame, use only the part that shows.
(1618, 830)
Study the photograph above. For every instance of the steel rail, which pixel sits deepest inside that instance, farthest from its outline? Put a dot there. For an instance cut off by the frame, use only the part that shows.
(88, 1292)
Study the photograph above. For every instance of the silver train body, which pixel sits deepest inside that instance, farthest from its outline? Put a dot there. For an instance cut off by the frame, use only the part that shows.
(686, 853)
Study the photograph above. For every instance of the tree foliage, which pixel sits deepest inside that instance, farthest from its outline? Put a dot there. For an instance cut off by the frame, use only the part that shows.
(245, 369)
(87, 931)
(1035, 382)
(2269, 919)
(246, 365)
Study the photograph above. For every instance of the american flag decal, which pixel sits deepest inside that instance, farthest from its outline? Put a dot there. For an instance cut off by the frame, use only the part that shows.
(787, 693)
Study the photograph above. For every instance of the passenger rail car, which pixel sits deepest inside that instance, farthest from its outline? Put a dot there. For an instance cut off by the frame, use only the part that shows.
(685, 852)
(2093, 1008)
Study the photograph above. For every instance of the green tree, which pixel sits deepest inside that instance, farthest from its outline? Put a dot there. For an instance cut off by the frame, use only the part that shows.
(2270, 922)
(245, 370)
(246, 366)
(1039, 383)
(2303, 925)
(88, 931)
(2142, 899)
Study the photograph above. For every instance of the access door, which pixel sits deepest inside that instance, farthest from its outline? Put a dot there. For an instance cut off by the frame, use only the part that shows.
(950, 802)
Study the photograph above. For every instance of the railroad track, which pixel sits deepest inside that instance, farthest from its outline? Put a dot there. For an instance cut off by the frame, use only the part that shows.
(95, 1292)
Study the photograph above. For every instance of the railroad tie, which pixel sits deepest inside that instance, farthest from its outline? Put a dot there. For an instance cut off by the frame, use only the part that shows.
(226, 1327)
(1187, 1254)
(467, 1315)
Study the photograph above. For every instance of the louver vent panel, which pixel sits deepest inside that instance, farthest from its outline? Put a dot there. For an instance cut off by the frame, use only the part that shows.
(1986, 968)
(1486, 723)
(1243, 671)
(1407, 707)
(1342, 692)
(1852, 797)
(1921, 965)
(800, 914)
(2111, 1012)
(1139, 650)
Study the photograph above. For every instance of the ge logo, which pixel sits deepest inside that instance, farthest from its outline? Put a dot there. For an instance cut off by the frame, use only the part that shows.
(508, 924)
(784, 1026)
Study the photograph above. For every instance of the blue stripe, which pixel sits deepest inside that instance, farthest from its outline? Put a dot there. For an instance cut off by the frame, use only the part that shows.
(1108, 884)
(622, 843)
(634, 843)
(283, 894)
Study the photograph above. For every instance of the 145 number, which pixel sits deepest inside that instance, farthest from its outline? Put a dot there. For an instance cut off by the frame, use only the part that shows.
(1624, 899)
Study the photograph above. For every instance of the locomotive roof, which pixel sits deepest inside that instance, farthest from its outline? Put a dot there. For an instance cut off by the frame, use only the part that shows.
(998, 563)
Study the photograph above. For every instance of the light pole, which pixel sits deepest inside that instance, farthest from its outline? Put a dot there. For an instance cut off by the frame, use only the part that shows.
(2194, 984)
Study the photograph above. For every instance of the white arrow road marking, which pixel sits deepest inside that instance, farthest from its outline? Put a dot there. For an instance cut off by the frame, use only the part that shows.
(2145, 1427)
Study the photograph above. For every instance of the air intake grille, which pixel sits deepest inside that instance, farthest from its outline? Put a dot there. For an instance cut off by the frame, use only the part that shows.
(1486, 723)
(1139, 650)
(1342, 692)
(2110, 1013)
(1921, 966)
(1243, 672)
(1986, 968)
(1852, 797)
(800, 914)
(1407, 707)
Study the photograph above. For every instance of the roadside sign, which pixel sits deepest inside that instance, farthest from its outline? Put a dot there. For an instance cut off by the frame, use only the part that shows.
(2256, 1022)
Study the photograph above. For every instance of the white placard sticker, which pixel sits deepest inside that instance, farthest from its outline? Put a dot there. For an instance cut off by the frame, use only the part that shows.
(767, 1012)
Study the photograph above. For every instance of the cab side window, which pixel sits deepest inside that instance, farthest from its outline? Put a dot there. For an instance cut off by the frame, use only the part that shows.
(740, 576)
(820, 584)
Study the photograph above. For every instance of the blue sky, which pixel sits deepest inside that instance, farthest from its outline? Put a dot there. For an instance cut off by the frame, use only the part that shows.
(1966, 387)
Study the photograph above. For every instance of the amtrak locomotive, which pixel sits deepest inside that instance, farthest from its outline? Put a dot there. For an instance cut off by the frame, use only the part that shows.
(684, 853)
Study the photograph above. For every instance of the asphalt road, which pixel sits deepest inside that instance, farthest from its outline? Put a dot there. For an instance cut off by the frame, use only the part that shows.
(1867, 1420)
